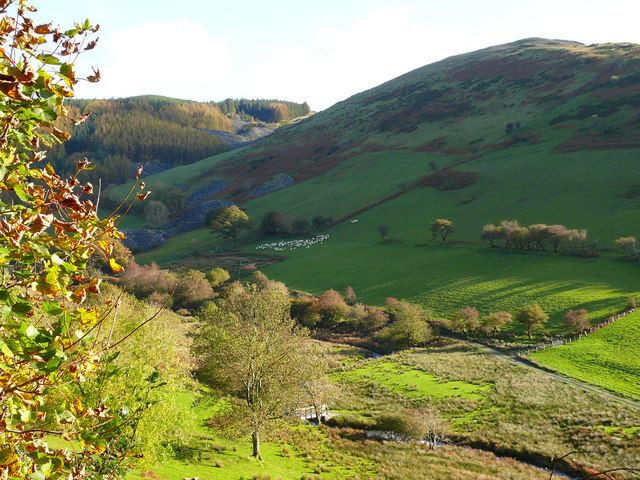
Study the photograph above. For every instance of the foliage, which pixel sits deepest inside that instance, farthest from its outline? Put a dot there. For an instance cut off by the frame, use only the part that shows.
(217, 276)
(49, 231)
(142, 280)
(192, 289)
(532, 317)
(275, 223)
(409, 326)
(269, 111)
(577, 320)
(441, 228)
(495, 322)
(629, 246)
(465, 320)
(251, 349)
(228, 221)
(143, 130)
(156, 214)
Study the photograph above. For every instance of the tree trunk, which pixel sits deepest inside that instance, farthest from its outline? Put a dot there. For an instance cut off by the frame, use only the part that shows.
(255, 437)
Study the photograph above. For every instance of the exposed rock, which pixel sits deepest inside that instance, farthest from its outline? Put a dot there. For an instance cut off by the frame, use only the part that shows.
(276, 183)
(143, 239)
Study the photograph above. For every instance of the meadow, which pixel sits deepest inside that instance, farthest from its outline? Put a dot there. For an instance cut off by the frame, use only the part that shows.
(609, 357)
(517, 411)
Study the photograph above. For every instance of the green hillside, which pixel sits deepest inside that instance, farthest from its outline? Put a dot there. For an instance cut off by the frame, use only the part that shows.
(540, 131)
(609, 358)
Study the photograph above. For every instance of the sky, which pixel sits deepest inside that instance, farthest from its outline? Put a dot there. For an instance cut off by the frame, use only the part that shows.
(315, 51)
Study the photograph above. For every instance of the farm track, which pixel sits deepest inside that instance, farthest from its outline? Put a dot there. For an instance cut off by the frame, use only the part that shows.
(550, 373)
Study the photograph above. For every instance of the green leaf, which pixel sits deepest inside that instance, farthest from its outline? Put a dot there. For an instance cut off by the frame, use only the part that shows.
(31, 332)
(52, 308)
(4, 348)
(21, 308)
(56, 259)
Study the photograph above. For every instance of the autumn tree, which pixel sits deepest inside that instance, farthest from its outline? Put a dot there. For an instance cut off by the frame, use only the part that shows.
(217, 276)
(495, 322)
(227, 222)
(252, 349)
(441, 228)
(577, 321)
(491, 233)
(48, 233)
(350, 295)
(532, 317)
(465, 320)
(629, 246)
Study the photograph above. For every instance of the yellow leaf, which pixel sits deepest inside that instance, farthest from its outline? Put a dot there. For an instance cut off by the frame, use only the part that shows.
(115, 266)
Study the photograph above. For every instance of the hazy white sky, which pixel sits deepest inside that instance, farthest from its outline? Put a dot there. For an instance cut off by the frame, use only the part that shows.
(318, 51)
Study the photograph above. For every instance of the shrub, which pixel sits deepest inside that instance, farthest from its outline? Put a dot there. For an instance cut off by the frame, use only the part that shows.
(577, 320)
(142, 280)
(465, 320)
(374, 320)
(350, 295)
(409, 327)
(156, 214)
(331, 308)
(351, 421)
(275, 223)
(494, 322)
(217, 276)
(193, 288)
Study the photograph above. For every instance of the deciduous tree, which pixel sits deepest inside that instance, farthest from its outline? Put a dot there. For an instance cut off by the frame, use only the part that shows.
(532, 317)
(252, 349)
(441, 228)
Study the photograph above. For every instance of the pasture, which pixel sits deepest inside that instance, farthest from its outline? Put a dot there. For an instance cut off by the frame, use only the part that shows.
(609, 357)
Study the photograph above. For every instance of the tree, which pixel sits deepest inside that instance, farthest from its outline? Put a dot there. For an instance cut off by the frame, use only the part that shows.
(465, 320)
(49, 231)
(156, 214)
(275, 223)
(629, 246)
(557, 234)
(193, 288)
(301, 226)
(217, 276)
(441, 228)
(383, 231)
(532, 317)
(494, 322)
(228, 222)
(252, 349)
(490, 232)
(350, 295)
(539, 234)
(577, 320)
(409, 327)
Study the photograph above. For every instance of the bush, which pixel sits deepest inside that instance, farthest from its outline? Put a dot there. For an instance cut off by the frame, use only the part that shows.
(142, 280)
(331, 308)
(409, 327)
(217, 276)
(577, 320)
(465, 320)
(351, 421)
(275, 223)
(193, 288)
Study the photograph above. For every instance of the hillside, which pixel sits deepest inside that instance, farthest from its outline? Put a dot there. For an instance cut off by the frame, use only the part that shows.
(541, 131)
(162, 132)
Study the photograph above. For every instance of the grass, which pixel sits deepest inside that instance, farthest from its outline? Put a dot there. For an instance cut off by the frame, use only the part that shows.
(609, 357)
(410, 382)
(521, 412)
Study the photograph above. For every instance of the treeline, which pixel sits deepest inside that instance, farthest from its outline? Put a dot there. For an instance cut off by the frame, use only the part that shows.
(276, 223)
(557, 238)
(141, 130)
(268, 111)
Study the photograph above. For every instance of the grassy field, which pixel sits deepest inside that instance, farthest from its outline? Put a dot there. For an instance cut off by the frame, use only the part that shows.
(513, 409)
(409, 382)
(609, 358)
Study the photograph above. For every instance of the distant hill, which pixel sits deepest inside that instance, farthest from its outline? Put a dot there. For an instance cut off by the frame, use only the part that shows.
(162, 132)
(542, 131)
